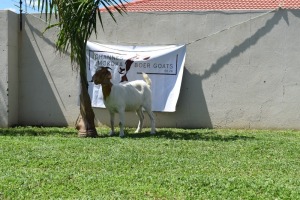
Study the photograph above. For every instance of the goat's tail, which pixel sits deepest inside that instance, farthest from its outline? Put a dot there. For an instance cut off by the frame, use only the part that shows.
(147, 79)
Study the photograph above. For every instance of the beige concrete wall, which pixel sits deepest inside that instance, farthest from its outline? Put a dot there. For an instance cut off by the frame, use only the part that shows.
(13, 69)
(48, 86)
(3, 68)
(9, 48)
(241, 73)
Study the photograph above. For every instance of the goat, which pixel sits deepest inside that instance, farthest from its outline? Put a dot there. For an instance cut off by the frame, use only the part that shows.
(131, 96)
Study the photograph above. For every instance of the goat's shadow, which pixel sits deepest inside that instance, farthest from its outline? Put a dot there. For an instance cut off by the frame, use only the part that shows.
(187, 134)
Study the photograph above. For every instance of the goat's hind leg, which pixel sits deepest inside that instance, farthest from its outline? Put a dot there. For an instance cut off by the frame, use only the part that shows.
(112, 124)
(152, 119)
(122, 122)
(140, 114)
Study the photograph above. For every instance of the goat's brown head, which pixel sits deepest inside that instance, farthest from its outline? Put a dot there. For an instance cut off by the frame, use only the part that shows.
(102, 76)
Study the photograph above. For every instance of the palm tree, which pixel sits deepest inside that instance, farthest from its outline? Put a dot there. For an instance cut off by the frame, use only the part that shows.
(77, 20)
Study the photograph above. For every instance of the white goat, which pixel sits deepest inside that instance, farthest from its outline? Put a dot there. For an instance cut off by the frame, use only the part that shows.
(132, 96)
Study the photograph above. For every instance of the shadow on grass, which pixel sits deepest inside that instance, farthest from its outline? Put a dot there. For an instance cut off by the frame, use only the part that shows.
(190, 134)
(164, 133)
(38, 131)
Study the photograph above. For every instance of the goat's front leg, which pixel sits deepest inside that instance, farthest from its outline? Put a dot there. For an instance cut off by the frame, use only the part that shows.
(122, 121)
(112, 124)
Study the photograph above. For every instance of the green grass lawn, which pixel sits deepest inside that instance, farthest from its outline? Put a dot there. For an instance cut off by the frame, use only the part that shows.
(52, 163)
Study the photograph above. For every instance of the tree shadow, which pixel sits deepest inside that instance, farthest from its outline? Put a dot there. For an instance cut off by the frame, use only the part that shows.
(246, 44)
(296, 13)
(192, 109)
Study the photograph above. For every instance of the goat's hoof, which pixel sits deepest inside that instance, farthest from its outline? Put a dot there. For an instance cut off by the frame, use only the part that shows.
(111, 134)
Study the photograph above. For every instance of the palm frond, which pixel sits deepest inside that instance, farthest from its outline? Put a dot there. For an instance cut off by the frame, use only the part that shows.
(77, 21)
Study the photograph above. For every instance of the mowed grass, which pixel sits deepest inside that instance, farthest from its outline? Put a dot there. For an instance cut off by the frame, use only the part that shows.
(53, 163)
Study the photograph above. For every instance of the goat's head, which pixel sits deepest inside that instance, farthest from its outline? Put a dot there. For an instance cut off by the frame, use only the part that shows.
(101, 76)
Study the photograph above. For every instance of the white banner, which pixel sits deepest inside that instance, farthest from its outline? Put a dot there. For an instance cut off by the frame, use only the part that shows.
(163, 64)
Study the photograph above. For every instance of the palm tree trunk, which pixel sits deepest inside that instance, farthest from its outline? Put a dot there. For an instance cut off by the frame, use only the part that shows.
(86, 111)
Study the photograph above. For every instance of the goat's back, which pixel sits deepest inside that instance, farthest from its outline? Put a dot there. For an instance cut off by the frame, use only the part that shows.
(129, 96)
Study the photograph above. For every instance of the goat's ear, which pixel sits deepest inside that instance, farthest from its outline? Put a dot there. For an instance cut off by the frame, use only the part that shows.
(109, 75)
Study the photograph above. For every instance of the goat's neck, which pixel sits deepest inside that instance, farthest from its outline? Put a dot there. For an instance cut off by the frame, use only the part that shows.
(106, 88)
